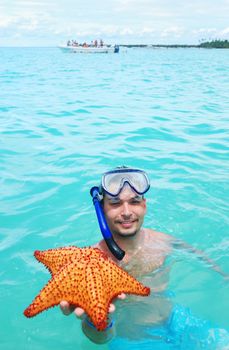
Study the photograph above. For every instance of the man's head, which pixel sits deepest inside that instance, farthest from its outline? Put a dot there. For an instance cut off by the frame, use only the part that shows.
(123, 199)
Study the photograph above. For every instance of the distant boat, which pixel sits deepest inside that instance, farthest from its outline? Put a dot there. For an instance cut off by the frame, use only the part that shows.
(90, 49)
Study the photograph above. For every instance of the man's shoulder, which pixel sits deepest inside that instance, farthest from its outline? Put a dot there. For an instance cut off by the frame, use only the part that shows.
(158, 235)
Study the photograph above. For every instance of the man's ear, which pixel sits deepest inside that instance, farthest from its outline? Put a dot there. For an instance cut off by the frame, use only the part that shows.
(144, 203)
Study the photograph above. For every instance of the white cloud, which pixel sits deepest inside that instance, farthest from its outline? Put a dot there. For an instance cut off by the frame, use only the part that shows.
(6, 21)
(204, 31)
(126, 31)
(26, 22)
(30, 24)
(225, 31)
(175, 31)
(147, 30)
(211, 33)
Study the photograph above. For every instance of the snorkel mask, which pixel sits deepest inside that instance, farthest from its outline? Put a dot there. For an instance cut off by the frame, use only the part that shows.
(112, 183)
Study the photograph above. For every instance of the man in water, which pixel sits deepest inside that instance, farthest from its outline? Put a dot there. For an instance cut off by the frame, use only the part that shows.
(124, 206)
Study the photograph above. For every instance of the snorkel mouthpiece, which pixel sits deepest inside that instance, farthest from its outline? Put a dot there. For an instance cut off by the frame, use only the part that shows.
(107, 235)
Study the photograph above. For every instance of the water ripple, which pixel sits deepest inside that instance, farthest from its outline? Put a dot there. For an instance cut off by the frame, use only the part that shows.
(65, 119)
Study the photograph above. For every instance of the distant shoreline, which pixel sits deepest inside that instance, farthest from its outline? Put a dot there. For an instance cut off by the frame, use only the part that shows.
(214, 44)
(157, 46)
(172, 46)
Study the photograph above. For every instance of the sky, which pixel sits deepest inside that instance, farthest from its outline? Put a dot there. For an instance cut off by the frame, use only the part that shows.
(52, 22)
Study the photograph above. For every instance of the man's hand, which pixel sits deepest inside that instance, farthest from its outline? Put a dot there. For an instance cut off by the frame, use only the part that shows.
(67, 308)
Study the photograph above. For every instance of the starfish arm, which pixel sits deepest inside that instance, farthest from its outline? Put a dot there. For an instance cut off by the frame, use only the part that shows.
(97, 297)
(55, 259)
(122, 282)
(64, 285)
(48, 297)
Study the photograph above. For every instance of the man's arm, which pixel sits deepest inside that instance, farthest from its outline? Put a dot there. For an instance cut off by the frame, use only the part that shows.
(179, 244)
(98, 337)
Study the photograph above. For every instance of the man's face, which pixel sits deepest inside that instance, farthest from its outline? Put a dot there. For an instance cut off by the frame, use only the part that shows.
(125, 213)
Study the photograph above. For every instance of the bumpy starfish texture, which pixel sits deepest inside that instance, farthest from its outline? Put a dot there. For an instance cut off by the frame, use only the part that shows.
(84, 277)
(55, 259)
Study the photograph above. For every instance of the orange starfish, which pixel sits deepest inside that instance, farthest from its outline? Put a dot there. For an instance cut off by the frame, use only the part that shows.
(84, 277)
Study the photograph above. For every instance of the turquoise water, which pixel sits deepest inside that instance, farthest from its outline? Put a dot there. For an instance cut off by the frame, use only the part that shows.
(66, 118)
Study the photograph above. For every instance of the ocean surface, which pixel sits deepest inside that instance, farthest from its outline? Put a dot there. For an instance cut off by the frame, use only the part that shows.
(65, 119)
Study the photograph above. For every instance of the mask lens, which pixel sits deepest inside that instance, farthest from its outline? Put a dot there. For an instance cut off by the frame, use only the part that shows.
(139, 182)
(113, 183)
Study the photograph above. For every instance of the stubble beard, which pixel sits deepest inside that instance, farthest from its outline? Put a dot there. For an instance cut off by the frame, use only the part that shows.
(123, 234)
(126, 235)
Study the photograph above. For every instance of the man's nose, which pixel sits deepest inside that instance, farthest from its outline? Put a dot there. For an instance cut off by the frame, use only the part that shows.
(126, 209)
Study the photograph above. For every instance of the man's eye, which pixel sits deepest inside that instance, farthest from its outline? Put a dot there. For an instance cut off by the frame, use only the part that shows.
(115, 203)
(136, 201)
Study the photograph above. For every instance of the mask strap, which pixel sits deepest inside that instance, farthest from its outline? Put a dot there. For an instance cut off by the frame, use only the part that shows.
(107, 235)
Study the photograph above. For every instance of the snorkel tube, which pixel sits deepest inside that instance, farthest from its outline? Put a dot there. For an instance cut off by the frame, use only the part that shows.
(107, 235)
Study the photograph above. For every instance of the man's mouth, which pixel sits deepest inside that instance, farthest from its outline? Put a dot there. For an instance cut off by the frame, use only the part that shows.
(127, 223)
